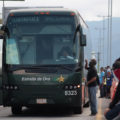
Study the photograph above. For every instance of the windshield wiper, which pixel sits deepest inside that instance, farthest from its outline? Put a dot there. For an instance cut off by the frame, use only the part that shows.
(65, 67)
(48, 67)
(74, 37)
(77, 29)
(15, 68)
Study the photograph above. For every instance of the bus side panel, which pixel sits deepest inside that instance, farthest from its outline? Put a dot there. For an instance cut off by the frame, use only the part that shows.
(1, 90)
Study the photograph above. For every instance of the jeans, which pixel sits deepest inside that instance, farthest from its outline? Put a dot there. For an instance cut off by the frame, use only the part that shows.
(92, 98)
(101, 90)
(104, 90)
(114, 112)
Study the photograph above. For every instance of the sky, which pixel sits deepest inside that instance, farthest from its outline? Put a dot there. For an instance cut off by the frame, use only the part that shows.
(89, 9)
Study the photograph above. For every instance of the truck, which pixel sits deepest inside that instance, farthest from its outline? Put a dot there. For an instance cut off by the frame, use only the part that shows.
(43, 52)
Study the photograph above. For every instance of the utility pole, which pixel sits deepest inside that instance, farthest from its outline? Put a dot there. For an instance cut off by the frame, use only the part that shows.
(98, 63)
(108, 33)
(99, 49)
(93, 54)
(103, 34)
(97, 58)
(0, 18)
(111, 35)
(103, 38)
(3, 9)
(109, 47)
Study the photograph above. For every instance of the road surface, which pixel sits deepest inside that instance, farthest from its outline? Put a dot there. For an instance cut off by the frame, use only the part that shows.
(55, 114)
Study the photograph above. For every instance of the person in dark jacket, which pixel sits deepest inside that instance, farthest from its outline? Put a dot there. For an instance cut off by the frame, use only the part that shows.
(92, 85)
(114, 107)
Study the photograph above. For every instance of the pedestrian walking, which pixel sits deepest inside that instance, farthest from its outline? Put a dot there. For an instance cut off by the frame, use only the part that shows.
(92, 85)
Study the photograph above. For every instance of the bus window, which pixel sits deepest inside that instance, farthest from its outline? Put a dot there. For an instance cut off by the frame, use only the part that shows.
(27, 50)
(76, 48)
(12, 56)
(37, 38)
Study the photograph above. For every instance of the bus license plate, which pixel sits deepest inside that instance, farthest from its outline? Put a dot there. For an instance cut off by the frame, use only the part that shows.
(70, 92)
(42, 101)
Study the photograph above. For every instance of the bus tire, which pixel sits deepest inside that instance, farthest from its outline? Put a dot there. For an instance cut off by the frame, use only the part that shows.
(16, 110)
(78, 110)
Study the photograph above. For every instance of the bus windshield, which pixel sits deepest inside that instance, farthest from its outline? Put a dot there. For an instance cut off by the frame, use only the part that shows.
(41, 40)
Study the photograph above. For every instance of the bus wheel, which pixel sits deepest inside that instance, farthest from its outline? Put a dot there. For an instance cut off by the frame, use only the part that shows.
(16, 110)
(78, 110)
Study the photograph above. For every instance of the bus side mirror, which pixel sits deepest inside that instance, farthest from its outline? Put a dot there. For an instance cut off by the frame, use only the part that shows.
(83, 40)
(4, 30)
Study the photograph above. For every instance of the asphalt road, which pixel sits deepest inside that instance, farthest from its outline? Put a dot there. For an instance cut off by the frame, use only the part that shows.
(57, 114)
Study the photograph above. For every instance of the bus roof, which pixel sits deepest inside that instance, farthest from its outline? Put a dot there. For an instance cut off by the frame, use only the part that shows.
(47, 9)
(44, 9)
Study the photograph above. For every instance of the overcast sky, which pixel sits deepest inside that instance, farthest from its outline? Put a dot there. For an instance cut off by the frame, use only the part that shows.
(89, 9)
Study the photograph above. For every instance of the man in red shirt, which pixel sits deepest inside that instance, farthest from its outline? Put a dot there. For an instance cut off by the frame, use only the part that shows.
(114, 107)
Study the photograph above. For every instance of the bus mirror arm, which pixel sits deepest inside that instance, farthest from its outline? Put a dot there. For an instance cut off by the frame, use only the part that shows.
(83, 40)
(77, 29)
(4, 30)
(1, 34)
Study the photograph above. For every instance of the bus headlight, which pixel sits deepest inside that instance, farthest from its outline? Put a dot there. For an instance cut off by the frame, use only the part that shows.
(66, 87)
(10, 87)
(15, 87)
(71, 87)
(78, 86)
(7, 87)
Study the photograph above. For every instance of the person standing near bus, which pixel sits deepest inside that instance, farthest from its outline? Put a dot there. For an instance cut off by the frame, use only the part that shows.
(114, 107)
(109, 83)
(104, 88)
(92, 85)
(101, 80)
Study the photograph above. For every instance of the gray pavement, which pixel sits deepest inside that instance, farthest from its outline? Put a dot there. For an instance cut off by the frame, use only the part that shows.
(59, 114)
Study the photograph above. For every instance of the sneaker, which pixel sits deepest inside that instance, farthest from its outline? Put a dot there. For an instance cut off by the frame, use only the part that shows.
(93, 114)
(100, 97)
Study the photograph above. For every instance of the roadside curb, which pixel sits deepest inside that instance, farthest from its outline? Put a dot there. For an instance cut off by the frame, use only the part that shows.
(1, 106)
